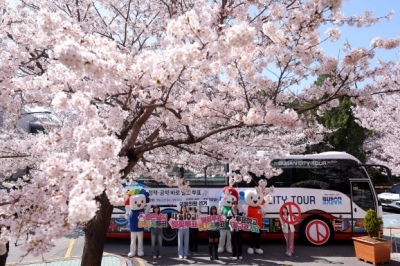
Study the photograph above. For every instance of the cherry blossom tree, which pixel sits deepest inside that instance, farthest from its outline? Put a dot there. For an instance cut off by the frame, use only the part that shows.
(146, 85)
(382, 115)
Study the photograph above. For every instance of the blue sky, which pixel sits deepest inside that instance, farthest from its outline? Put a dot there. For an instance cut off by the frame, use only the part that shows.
(361, 37)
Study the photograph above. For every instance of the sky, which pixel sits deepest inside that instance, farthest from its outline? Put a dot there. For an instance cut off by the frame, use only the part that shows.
(361, 37)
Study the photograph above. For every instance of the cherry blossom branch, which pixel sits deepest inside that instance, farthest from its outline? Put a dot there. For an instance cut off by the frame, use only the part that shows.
(13, 156)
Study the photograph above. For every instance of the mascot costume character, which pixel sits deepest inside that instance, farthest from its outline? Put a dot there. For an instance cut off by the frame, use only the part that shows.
(256, 200)
(226, 197)
(134, 207)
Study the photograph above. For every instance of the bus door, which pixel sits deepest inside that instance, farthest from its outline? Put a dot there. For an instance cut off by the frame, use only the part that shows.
(363, 199)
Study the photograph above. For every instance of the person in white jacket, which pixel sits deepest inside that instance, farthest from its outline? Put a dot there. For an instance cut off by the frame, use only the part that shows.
(288, 231)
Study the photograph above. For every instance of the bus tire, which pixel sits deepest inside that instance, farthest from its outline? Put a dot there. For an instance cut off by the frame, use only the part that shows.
(316, 231)
(169, 236)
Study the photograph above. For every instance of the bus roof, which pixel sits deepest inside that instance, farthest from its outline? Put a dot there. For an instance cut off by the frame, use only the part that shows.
(318, 156)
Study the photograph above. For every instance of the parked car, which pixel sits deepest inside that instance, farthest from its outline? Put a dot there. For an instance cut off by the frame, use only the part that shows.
(391, 197)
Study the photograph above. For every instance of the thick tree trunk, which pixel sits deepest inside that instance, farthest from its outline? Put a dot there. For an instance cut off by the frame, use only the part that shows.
(95, 235)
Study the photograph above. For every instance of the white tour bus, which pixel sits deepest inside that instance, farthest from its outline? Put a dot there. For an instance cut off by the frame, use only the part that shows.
(328, 193)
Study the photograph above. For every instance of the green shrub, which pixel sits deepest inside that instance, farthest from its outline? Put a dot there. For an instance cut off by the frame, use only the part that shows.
(371, 223)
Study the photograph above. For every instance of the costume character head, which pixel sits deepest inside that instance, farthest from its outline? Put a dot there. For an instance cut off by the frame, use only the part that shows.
(254, 197)
(137, 199)
(227, 196)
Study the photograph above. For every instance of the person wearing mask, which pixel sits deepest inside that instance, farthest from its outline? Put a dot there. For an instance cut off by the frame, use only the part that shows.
(288, 232)
(156, 236)
(183, 238)
(213, 237)
(193, 232)
(236, 234)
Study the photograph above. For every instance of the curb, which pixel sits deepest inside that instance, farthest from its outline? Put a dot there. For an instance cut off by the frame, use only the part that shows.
(43, 261)
(137, 261)
(121, 259)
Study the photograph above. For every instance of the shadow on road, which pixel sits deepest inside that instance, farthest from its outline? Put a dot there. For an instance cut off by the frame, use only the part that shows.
(335, 253)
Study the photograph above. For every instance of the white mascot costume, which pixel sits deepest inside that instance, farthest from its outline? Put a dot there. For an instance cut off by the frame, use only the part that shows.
(226, 197)
(134, 206)
(256, 200)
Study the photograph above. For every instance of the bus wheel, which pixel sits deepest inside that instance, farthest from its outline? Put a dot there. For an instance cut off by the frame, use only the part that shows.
(316, 231)
(170, 236)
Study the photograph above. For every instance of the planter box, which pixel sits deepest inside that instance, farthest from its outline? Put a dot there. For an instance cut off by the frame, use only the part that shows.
(375, 251)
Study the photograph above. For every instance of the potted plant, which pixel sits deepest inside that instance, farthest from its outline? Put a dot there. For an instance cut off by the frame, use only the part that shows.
(372, 248)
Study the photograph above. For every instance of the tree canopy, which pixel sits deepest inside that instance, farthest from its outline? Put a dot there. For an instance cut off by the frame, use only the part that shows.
(383, 119)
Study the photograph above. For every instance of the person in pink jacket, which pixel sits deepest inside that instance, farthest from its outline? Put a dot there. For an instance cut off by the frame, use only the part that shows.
(288, 231)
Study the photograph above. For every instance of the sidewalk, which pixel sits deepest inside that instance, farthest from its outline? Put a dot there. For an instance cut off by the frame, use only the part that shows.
(108, 260)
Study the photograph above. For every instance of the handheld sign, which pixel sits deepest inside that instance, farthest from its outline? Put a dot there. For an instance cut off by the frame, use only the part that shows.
(207, 222)
(185, 220)
(245, 224)
(294, 218)
(152, 220)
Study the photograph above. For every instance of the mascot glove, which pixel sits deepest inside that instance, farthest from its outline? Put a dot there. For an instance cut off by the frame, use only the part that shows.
(148, 208)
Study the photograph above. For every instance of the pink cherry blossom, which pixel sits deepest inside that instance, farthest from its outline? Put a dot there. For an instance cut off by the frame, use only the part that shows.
(136, 87)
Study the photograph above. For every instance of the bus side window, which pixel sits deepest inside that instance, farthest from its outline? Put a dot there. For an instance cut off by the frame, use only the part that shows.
(339, 180)
(311, 178)
(285, 179)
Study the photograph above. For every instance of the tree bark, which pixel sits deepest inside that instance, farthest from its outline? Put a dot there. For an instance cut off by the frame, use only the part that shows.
(95, 235)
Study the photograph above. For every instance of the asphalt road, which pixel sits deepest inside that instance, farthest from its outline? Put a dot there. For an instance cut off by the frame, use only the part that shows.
(335, 253)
